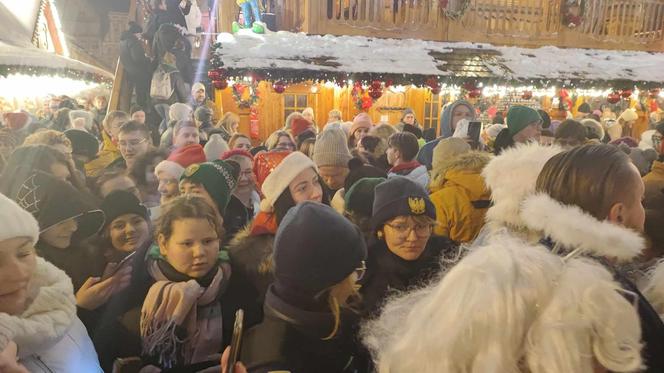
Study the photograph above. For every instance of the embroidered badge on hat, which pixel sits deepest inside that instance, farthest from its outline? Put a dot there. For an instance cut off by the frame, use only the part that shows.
(417, 205)
(191, 170)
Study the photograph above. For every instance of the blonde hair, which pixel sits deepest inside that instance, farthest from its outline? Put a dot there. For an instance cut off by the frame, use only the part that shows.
(48, 137)
(273, 139)
(227, 120)
(338, 297)
(509, 307)
(384, 131)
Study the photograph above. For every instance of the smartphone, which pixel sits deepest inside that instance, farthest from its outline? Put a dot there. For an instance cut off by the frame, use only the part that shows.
(113, 268)
(474, 130)
(236, 342)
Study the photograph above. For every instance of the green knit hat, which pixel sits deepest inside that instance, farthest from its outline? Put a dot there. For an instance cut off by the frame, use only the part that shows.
(520, 117)
(219, 178)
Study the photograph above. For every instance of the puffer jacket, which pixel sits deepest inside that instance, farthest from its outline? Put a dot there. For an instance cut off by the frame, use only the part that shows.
(412, 170)
(461, 198)
(49, 336)
(654, 183)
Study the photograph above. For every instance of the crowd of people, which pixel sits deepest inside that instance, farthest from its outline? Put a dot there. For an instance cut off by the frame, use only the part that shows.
(349, 246)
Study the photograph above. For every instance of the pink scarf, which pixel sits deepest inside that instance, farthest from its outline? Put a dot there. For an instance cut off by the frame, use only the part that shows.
(170, 307)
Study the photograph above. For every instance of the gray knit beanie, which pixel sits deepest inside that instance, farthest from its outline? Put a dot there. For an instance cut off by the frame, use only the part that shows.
(331, 149)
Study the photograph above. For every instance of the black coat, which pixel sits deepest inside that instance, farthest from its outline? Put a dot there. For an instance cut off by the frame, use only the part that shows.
(387, 272)
(292, 339)
(176, 14)
(133, 58)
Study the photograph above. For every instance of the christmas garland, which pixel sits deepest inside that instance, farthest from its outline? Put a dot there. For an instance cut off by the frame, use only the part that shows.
(454, 14)
(238, 92)
(6, 70)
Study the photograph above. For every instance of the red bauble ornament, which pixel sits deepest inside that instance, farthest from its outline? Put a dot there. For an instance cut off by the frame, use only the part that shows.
(279, 87)
(435, 90)
(376, 84)
(627, 93)
(214, 75)
(613, 98)
(475, 93)
(389, 83)
(527, 95)
(220, 84)
(375, 93)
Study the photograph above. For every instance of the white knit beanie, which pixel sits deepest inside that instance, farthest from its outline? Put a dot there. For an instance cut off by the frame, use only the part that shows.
(179, 111)
(215, 147)
(16, 222)
(169, 167)
(331, 149)
(196, 87)
(282, 175)
(629, 115)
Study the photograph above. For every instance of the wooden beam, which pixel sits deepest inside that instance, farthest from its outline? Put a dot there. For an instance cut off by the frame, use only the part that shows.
(53, 29)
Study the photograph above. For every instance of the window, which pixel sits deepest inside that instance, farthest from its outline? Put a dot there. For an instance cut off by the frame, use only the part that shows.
(431, 111)
(294, 102)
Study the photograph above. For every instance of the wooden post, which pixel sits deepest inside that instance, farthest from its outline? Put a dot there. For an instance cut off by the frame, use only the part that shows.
(120, 94)
(226, 14)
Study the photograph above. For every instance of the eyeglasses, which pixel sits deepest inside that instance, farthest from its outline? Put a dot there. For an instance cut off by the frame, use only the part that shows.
(131, 143)
(360, 271)
(403, 230)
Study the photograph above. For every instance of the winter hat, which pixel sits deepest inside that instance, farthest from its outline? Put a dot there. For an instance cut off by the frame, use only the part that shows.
(135, 28)
(265, 163)
(277, 181)
(175, 170)
(16, 121)
(358, 171)
(412, 129)
(219, 179)
(215, 147)
(82, 143)
(197, 87)
(188, 155)
(546, 119)
(406, 112)
(400, 196)
(331, 149)
(630, 142)
(52, 201)
(584, 108)
(361, 120)
(643, 159)
(594, 129)
(203, 114)
(445, 151)
(520, 117)
(299, 125)
(359, 198)
(179, 111)
(121, 202)
(314, 249)
(346, 126)
(234, 152)
(629, 115)
(75, 114)
(16, 222)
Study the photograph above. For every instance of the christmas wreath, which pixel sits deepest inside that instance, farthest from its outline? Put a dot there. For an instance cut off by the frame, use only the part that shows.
(457, 11)
(239, 90)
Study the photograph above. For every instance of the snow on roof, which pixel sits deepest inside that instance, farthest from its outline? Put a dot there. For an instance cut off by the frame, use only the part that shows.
(357, 54)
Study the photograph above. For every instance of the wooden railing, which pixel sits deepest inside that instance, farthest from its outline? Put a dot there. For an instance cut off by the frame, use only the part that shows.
(624, 20)
(517, 18)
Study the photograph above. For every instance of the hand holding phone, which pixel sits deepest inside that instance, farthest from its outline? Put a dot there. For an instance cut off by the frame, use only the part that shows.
(474, 130)
(113, 268)
(236, 342)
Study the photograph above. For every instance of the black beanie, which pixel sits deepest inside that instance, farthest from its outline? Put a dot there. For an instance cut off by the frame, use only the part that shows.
(584, 108)
(400, 196)
(121, 202)
(82, 143)
(359, 198)
(359, 170)
(315, 248)
(412, 129)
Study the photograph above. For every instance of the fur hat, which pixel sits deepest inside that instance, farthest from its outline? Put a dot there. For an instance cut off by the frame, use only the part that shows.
(361, 120)
(188, 155)
(400, 196)
(16, 222)
(173, 169)
(219, 178)
(215, 147)
(445, 151)
(277, 181)
(331, 149)
(314, 249)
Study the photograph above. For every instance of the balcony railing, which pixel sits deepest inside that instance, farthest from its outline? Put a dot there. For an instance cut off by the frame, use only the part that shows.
(624, 20)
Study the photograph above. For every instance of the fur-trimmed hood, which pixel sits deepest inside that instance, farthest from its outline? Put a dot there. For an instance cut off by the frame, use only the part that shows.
(49, 316)
(473, 162)
(252, 253)
(511, 177)
(576, 231)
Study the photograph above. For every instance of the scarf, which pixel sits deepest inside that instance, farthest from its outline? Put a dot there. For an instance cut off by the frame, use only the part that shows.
(181, 321)
(50, 313)
(264, 223)
(405, 168)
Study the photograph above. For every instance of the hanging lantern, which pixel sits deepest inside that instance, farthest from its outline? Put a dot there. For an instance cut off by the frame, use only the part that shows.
(613, 98)
(279, 87)
(527, 95)
(220, 84)
(654, 93)
(627, 93)
(475, 93)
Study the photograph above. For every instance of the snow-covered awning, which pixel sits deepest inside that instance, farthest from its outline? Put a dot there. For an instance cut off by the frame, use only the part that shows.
(324, 57)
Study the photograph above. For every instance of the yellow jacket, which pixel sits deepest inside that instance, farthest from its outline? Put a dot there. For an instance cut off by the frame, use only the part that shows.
(654, 183)
(107, 155)
(460, 196)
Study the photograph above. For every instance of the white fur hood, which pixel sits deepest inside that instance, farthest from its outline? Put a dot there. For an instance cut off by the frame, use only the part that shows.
(511, 177)
(576, 230)
(50, 314)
